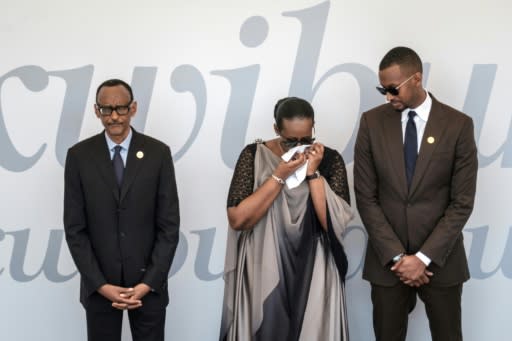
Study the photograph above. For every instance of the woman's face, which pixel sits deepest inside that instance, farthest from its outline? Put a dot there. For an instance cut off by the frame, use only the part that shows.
(296, 131)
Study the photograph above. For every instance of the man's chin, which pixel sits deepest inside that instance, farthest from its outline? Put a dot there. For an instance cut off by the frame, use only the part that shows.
(115, 131)
(398, 106)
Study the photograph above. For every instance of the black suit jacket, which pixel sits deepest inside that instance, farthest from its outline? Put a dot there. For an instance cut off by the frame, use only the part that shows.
(428, 217)
(121, 236)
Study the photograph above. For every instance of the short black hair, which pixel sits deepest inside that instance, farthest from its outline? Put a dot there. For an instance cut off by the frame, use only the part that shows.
(115, 82)
(292, 107)
(404, 57)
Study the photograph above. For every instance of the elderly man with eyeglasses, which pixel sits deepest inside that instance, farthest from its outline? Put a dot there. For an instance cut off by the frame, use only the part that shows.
(121, 219)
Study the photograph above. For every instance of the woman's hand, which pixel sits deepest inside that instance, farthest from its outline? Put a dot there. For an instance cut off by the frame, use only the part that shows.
(314, 155)
(285, 169)
(246, 214)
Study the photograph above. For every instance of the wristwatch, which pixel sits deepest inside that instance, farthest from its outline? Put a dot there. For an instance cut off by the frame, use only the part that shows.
(397, 258)
(315, 175)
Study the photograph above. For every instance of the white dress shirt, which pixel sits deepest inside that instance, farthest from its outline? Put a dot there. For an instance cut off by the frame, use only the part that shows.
(125, 145)
(421, 118)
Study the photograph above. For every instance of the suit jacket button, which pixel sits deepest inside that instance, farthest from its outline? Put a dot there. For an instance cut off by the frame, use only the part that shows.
(123, 234)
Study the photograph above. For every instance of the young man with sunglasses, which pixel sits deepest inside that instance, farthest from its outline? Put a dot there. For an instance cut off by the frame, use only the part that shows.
(415, 169)
(121, 219)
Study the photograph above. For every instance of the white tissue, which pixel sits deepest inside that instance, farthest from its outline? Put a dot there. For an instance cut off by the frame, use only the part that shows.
(299, 175)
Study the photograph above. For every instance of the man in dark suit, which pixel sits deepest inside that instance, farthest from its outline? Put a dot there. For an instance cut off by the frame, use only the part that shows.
(121, 219)
(415, 174)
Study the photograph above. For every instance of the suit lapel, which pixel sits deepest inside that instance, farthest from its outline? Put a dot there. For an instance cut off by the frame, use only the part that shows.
(101, 157)
(433, 133)
(393, 132)
(133, 162)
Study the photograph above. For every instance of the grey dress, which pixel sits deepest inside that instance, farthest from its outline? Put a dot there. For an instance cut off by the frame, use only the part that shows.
(284, 278)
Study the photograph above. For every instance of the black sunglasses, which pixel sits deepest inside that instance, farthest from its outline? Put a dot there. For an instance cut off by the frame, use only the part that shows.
(293, 142)
(392, 90)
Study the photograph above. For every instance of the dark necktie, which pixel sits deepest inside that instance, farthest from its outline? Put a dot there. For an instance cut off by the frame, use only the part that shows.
(410, 147)
(118, 164)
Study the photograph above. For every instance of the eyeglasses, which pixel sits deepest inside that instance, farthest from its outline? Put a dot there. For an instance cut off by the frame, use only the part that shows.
(393, 90)
(107, 110)
(293, 142)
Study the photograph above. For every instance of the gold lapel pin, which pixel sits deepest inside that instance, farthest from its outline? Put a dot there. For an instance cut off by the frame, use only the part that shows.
(431, 139)
(140, 154)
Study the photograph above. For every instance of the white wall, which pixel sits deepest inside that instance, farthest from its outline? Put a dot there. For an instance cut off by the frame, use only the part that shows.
(221, 66)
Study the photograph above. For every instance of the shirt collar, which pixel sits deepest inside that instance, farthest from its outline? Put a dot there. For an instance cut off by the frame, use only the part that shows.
(423, 110)
(125, 144)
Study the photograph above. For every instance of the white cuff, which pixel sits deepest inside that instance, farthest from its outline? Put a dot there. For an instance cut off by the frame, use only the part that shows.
(423, 258)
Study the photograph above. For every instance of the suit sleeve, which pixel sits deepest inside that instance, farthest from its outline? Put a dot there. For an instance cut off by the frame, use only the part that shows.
(439, 244)
(167, 225)
(381, 235)
(75, 226)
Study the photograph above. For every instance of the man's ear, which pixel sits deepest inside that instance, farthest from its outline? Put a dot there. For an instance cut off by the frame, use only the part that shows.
(133, 108)
(97, 111)
(418, 78)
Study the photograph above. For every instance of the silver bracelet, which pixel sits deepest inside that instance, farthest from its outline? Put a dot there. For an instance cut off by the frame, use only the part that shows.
(278, 179)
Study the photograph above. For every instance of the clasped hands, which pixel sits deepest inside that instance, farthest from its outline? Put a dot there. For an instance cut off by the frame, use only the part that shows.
(412, 271)
(125, 298)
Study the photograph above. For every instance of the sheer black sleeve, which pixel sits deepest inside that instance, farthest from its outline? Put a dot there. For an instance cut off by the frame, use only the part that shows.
(242, 182)
(332, 168)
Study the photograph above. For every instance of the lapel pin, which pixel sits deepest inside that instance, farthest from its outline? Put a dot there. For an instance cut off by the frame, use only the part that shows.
(140, 154)
(431, 139)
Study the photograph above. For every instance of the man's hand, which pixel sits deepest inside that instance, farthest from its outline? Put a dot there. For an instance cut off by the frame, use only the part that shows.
(125, 298)
(412, 271)
(424, 279)
(119, 296)
(134, 296)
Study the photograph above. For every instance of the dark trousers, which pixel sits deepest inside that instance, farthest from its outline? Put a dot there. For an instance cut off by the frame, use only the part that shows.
(104, 323)
(392, 305)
